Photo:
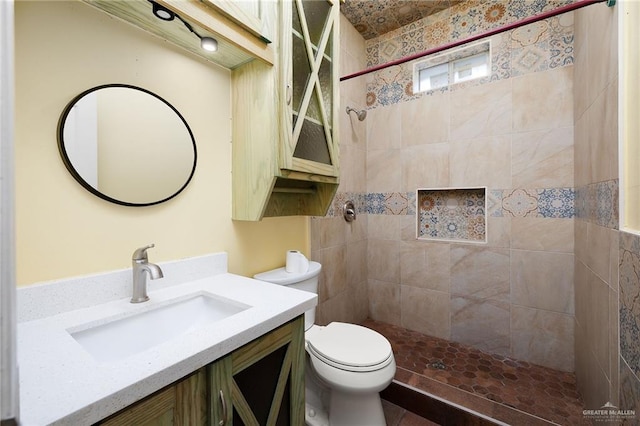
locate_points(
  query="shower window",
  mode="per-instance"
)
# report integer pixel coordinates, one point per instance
(456, 66)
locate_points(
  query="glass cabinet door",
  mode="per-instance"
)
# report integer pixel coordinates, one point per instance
(312, 87)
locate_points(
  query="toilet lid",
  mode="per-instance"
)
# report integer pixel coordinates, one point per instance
(351, 347)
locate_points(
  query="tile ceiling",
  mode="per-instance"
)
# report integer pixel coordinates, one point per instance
(373, 18)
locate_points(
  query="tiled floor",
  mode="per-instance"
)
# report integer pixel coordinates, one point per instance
(510, 391)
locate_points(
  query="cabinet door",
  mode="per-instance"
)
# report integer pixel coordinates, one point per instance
(181, 404)
(262, 383)
(254, 15)
(310, 75)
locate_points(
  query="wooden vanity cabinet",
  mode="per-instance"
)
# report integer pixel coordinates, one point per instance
(182, 403)
(285, 118)
(261, 383)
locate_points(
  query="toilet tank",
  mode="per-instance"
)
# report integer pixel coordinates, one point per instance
(305, 281)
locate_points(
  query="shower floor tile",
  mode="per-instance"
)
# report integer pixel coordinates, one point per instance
(502, 388)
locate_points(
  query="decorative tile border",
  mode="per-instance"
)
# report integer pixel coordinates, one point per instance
(556, 203)
(536, 47)
(598, 203)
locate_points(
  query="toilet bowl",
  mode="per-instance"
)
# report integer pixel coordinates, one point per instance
(347, 364)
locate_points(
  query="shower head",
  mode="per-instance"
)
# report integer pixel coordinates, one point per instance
(362, 114)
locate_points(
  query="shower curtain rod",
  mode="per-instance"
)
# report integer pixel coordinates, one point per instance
(526, 21)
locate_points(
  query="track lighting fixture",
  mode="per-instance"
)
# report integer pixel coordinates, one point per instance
(209, 44)
(162, 12)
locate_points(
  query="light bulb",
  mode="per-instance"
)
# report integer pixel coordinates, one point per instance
(209, 44)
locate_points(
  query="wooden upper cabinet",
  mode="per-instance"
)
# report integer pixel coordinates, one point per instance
(285, 132)
(309, 51)
(253, 15)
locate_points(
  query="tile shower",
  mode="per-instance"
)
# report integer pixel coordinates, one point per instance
(512, 133)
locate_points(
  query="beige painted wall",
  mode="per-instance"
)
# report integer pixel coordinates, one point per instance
(64, 48)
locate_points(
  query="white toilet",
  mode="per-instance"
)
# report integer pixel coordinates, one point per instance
(347, 364)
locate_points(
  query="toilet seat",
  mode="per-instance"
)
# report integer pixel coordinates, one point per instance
(350, 347)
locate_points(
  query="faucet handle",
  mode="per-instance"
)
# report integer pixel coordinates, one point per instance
(141, 253)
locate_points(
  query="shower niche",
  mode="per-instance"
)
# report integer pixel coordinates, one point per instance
(452, 214)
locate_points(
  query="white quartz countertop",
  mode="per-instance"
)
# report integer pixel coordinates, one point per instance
(61, 383)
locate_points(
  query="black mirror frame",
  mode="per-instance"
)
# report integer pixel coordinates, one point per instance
(87, 186)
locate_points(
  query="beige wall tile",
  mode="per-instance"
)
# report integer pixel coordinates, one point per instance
(384, 302)
(384, 128)
(333, 276)
(353, 175)
(482, 161)
(592, 382)
(543, 100)
(384, 226)
(425, 265)
(614, 259)
(542, 280)
(359, 296)
(358, 230)
(384, 170)
(481, 111)
(326, 232)
(350, 38)
(581, 364)
(602, 43)
(581, 63)
(482, 323)
(480, 272)
(408, 227)
(581, 290)
(597, 321)
(542, 337)
(543, 159)
(582, 154)
(425, 120)
(598, 257)
(425, 311)
(356, 263)
(581, 244)
(542, 234)
(613, 349)
(499, 232)
(383, 260)
(425, 166)
(602, 131)
(352, 132)
(347, 307)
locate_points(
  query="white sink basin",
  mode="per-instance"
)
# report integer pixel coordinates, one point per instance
(138, 332)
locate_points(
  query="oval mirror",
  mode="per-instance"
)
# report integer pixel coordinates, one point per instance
(127, 145)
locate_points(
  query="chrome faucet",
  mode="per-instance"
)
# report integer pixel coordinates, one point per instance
(140, 264)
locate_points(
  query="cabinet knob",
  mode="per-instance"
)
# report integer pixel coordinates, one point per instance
(288, 93)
